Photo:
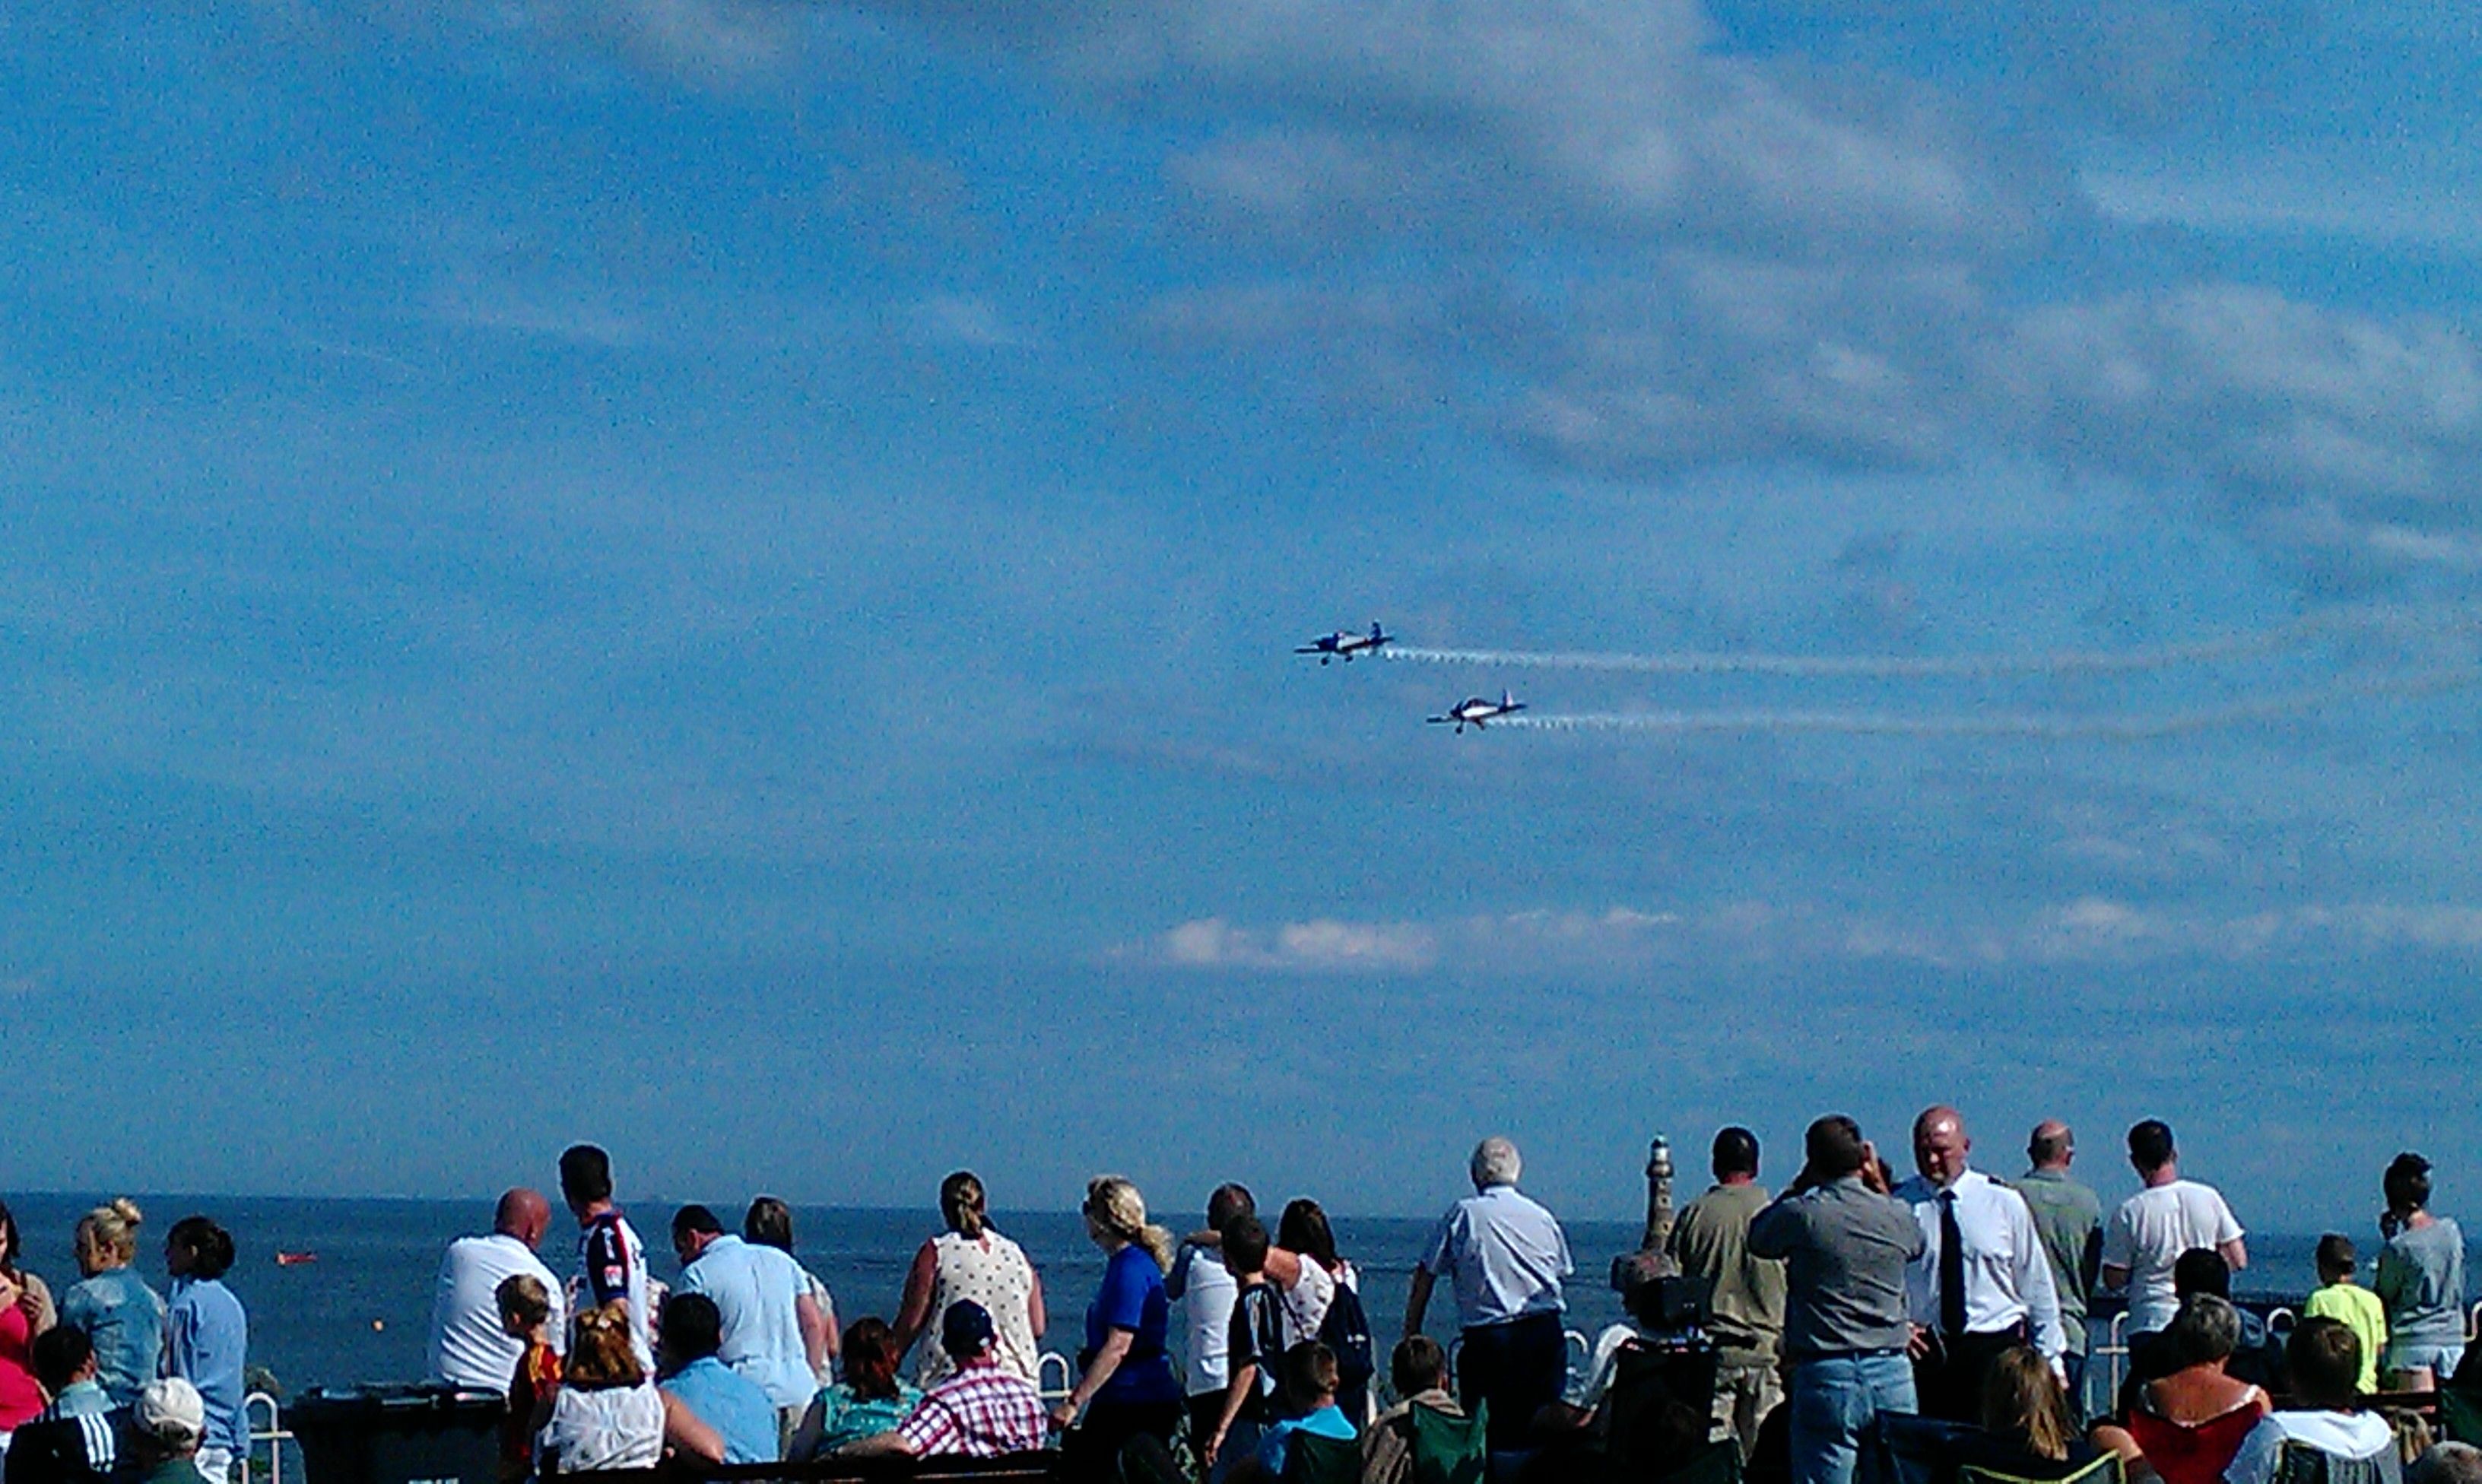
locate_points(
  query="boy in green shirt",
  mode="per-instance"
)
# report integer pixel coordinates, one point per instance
(2360, 1310)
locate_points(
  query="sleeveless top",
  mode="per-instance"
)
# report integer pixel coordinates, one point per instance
(21, 1398)
(614, 1427)
(993, 1272)
(2193, 1453)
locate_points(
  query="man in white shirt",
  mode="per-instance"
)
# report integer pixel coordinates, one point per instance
(1506, 1256)
(759, 1296)
(2153, 1228)
(1983, 1281)
(1206, 1289)
(469, 1349)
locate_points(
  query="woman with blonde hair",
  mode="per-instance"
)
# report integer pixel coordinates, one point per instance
(2026, 1430)
(971, 1260)
(609, 1413)
(1126, 1387)
(120, 1316)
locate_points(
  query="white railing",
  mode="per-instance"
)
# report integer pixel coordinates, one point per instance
(273, 1435)
(2115, 1351)
(1580, 1365)
(1055, 1392)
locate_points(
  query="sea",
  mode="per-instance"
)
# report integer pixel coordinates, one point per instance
(357, 1313)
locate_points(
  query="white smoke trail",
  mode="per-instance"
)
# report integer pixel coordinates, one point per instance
(2064, 662)
(2036, 725)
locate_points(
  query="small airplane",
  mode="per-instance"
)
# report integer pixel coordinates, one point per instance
(1475, 709)
(1327, 646)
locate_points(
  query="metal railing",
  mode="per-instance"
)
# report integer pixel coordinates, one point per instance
(1053, 1394)
(274, 1435)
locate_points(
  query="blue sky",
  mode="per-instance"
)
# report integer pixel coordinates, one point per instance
(719, 576)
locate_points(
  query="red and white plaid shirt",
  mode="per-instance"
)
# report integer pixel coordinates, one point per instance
(981, 1412)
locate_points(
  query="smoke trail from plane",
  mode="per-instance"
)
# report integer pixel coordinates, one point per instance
(2039, 726)
(2283, 636)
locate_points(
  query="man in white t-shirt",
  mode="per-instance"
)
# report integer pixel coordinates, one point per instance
(2153, 1227)
(1206, 1289)
(468, 1347)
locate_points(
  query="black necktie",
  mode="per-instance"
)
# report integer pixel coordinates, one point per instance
(1951, 1267)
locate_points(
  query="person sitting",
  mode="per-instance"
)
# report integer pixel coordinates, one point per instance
(1308, 1394)
(2026, 1430)
(2358, 1307)
(983, 1409)
(2187, 1423)
(2446, 1463)
(607, 1415)
(166, 1426)
(689, 1332)
(76, 1439)
(2324, 1360)
(870, 1399)
(1418, 1370)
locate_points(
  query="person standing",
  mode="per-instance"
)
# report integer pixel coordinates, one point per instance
(1845, 1246)
(1982, 1283)
(2069, 1218)
(26, 1311)
(612, 1262)
(2153, 1228)
(1205, 1290)
(1125, 1385)
(120, 1316)
(769, 1223)
(760, 1295)
(970, 1261)
(470, 1347)
(2359, 1309)
(2420, 1281)
(1505, 1256)
(1711, 1241)
(206, 1337)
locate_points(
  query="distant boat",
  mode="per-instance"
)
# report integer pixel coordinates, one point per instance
(295, 1258)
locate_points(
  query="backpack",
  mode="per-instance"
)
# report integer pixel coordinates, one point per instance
(1346, 1331)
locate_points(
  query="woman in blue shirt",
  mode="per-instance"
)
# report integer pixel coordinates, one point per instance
(1127, 1386)
(206, 1337)
(119, 1315)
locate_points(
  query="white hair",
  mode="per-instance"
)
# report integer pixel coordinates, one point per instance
(1494, 1163)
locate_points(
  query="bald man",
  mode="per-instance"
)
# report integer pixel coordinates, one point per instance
(2069, 1217)
(1982, 1283)
(469, 1349)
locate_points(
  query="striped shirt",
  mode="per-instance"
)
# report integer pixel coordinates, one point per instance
(981, 1412)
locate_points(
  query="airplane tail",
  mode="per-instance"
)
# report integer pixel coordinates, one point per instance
(1376, 632)
(1507, 701)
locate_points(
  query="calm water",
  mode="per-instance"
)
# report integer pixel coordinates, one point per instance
(359, 1313)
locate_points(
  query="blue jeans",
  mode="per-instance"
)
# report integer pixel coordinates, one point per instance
(1833, 1399)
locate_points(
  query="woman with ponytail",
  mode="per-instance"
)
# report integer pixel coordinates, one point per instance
(207, 1338)
(970, 1261)
(1127, 1386)
(119, 1315)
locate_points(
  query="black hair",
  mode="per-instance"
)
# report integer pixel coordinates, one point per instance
(693, 1327)
(696, 1219)
(2201, 1271)
(2336, 1254)
(57, 1355)
(1245, 1244)
(2324, 1360)
(1231, 1199)
(1736, 1152)
(585, 1174)
(10, 1241)
(1417, 1364)
(2149, 1145)
(1834, 1146)
(2407, 1182)
(210, 1246)
(1303, 1229)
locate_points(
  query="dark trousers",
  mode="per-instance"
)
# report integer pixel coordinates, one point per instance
(1517, 1368)
(1090, 1450)
(1949, 1379)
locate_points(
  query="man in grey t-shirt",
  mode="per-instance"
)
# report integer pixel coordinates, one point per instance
(1845, 1244)
(1711, 1241)
(2069, 1218)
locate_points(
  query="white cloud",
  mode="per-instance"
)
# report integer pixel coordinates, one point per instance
(1321, 945)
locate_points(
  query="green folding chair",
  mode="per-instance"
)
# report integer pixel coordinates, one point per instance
(1449, 1449)
(1313, 1459)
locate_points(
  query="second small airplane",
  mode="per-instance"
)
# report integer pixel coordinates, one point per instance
(1475, 709)
(1327, 646)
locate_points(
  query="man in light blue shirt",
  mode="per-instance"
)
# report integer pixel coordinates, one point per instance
(759, 1292)
(1505, 1255)
(738, 1411)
